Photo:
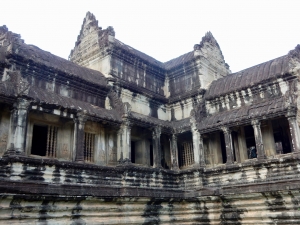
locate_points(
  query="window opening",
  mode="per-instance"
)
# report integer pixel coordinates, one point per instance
(44, 141)
(133, 152)
(235, 145)
(151, 155)
(223, 147)
(163, 158)
(250, 142)
(281, 136)
(89, 145)
(186, 154)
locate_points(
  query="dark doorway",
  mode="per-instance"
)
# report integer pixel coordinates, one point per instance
(133, 152)
(151, 155)
(235, 145)
(281, 136)
(39, 140)
(250, 142)
(223, 147)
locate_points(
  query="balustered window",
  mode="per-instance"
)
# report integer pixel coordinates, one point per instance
(89, 145)
(186, 154)
(44, 140)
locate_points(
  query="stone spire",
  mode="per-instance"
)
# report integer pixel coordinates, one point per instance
(216, 53)
(90, 24)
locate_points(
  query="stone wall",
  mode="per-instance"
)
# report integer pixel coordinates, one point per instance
(66, 193)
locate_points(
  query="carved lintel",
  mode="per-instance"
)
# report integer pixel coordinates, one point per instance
(255, 122)
(156, 131)
(126, 123)
(225, 129)
(23, 103)
(291, 112)
(126, 109)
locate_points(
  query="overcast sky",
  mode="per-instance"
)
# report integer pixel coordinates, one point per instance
(248, 32)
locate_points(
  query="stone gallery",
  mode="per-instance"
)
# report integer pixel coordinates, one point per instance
(113, 136)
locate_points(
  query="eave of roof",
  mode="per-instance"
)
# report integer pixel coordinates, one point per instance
(44, 58)
(139, 54)
(243, 114)
(248, 77)
(179, 60)
(42, 96)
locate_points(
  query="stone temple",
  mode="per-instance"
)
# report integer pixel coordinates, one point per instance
(114, 136)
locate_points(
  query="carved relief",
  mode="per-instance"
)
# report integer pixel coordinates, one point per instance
(3, 142)
(65, 151)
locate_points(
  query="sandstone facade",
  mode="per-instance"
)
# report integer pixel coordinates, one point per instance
(113, 136)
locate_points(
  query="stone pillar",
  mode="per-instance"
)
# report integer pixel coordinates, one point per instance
(228, 144)
(198, 147)
(79, 123)
(124, 139)
(258, 139)
(201, 151)
(294, 130)
(174, 152)
(156, 147)
(18, 123)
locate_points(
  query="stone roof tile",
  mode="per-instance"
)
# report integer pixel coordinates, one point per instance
(248, 77)
(44, 58)
(244, 113)
(179, 60)
(43, 96)
(137, 53)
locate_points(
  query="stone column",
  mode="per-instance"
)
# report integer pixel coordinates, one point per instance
(124, 137)
(196, 146)
(294, 130)
(228, 144)
(201, 155)
(174, 152)
(258, 139)
(156, 147)
(18, 123)
(79, 124)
